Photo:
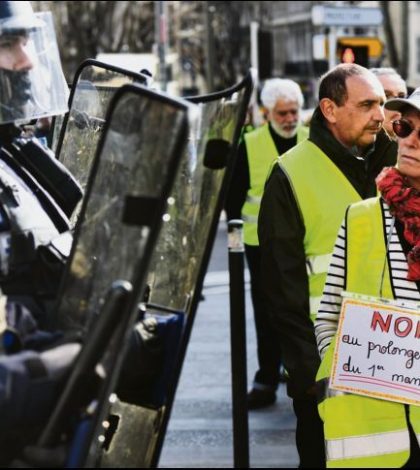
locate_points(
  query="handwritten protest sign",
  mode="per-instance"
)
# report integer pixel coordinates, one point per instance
(378, 351)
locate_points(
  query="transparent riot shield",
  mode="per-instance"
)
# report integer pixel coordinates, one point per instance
(124, 198)
(94, 84)
(124, 208)
(134, 433)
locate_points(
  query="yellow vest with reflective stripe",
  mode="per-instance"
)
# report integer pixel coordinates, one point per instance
(361, 431)
(261, 151)
(323, 194)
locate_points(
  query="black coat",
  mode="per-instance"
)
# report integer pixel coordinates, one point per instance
(281, 233)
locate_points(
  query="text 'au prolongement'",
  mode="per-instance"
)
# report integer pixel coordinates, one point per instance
(377, 352)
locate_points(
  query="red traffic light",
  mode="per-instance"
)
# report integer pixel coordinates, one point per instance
(348, 57)
(354, 55)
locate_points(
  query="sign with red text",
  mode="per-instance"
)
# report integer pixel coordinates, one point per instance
(377, 351)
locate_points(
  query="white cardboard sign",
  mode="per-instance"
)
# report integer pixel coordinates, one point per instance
(377, 351)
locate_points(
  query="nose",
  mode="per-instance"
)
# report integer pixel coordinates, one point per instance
(22, 59)
(291, 116)
(379, 114)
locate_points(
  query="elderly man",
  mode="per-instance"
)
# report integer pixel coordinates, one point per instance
(394, 87)
(301, 210)
(283, 101)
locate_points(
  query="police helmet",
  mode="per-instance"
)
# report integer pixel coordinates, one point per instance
(32, 83)
(16, 17)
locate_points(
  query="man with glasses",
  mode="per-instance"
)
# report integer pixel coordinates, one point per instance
(283, 101)
(394, 87)
(304, 202)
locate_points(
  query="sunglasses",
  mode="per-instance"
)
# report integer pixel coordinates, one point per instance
(403, 128)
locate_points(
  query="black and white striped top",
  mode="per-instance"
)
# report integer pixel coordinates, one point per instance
(329, 310)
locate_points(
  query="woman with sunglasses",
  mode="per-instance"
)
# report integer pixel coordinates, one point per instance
(377, 254)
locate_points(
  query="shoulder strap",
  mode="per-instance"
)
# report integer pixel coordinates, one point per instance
(52, 175)
(57, 216)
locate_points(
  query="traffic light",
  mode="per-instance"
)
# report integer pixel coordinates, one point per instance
(359, 49)
(353, 54)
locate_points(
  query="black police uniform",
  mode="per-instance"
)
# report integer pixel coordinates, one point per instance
(34, 224)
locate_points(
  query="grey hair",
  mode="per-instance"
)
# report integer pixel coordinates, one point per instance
(380, 71)
(280, 89)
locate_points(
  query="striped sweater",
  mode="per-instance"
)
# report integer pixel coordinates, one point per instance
(329, 311)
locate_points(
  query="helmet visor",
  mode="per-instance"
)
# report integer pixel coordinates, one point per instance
(32, 83)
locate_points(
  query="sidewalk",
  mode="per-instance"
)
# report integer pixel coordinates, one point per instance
(200, 428)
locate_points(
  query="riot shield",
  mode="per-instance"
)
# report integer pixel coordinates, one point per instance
(179, 263)
(127, 179)
(94, 84)
(123, 210)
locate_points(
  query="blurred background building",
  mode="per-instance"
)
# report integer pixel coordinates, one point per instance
(196, 47)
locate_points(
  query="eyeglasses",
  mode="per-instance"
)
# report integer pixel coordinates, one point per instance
(403, 128)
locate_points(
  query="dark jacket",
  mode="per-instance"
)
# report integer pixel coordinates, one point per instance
(240, 183)
(35, 193)
(281, 233)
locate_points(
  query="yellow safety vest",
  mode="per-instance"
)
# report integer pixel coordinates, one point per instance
(261, 151)
(323, 194)
(361, 431)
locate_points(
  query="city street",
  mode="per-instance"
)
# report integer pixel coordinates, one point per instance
(200, 429)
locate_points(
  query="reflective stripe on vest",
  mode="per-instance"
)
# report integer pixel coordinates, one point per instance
(318, 264)
(362, 431)
(323, 194)
(253, 199)
(262, 152)
(367, 446)
(252, 219)
(314, 303)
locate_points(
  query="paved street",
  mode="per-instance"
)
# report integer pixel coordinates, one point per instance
(200, 429)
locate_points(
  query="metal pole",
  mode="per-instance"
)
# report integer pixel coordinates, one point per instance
(332, 47)
(256, 116)
(238, 344)
(209, 45)
(254, 26)
(161, 39)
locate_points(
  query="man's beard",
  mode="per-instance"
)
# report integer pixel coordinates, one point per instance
(15, 93)
(285, 134)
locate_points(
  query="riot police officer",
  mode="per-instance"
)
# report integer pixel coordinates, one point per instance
(37, 194)
(37, 197)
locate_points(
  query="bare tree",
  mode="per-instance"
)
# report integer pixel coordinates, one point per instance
(405, 40)
(215, 33)
(397, 61)
(86, 28)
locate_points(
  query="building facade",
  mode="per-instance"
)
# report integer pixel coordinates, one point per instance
(305, 47)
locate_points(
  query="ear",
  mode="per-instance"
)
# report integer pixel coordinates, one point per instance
(328, 109)
(265, 110)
